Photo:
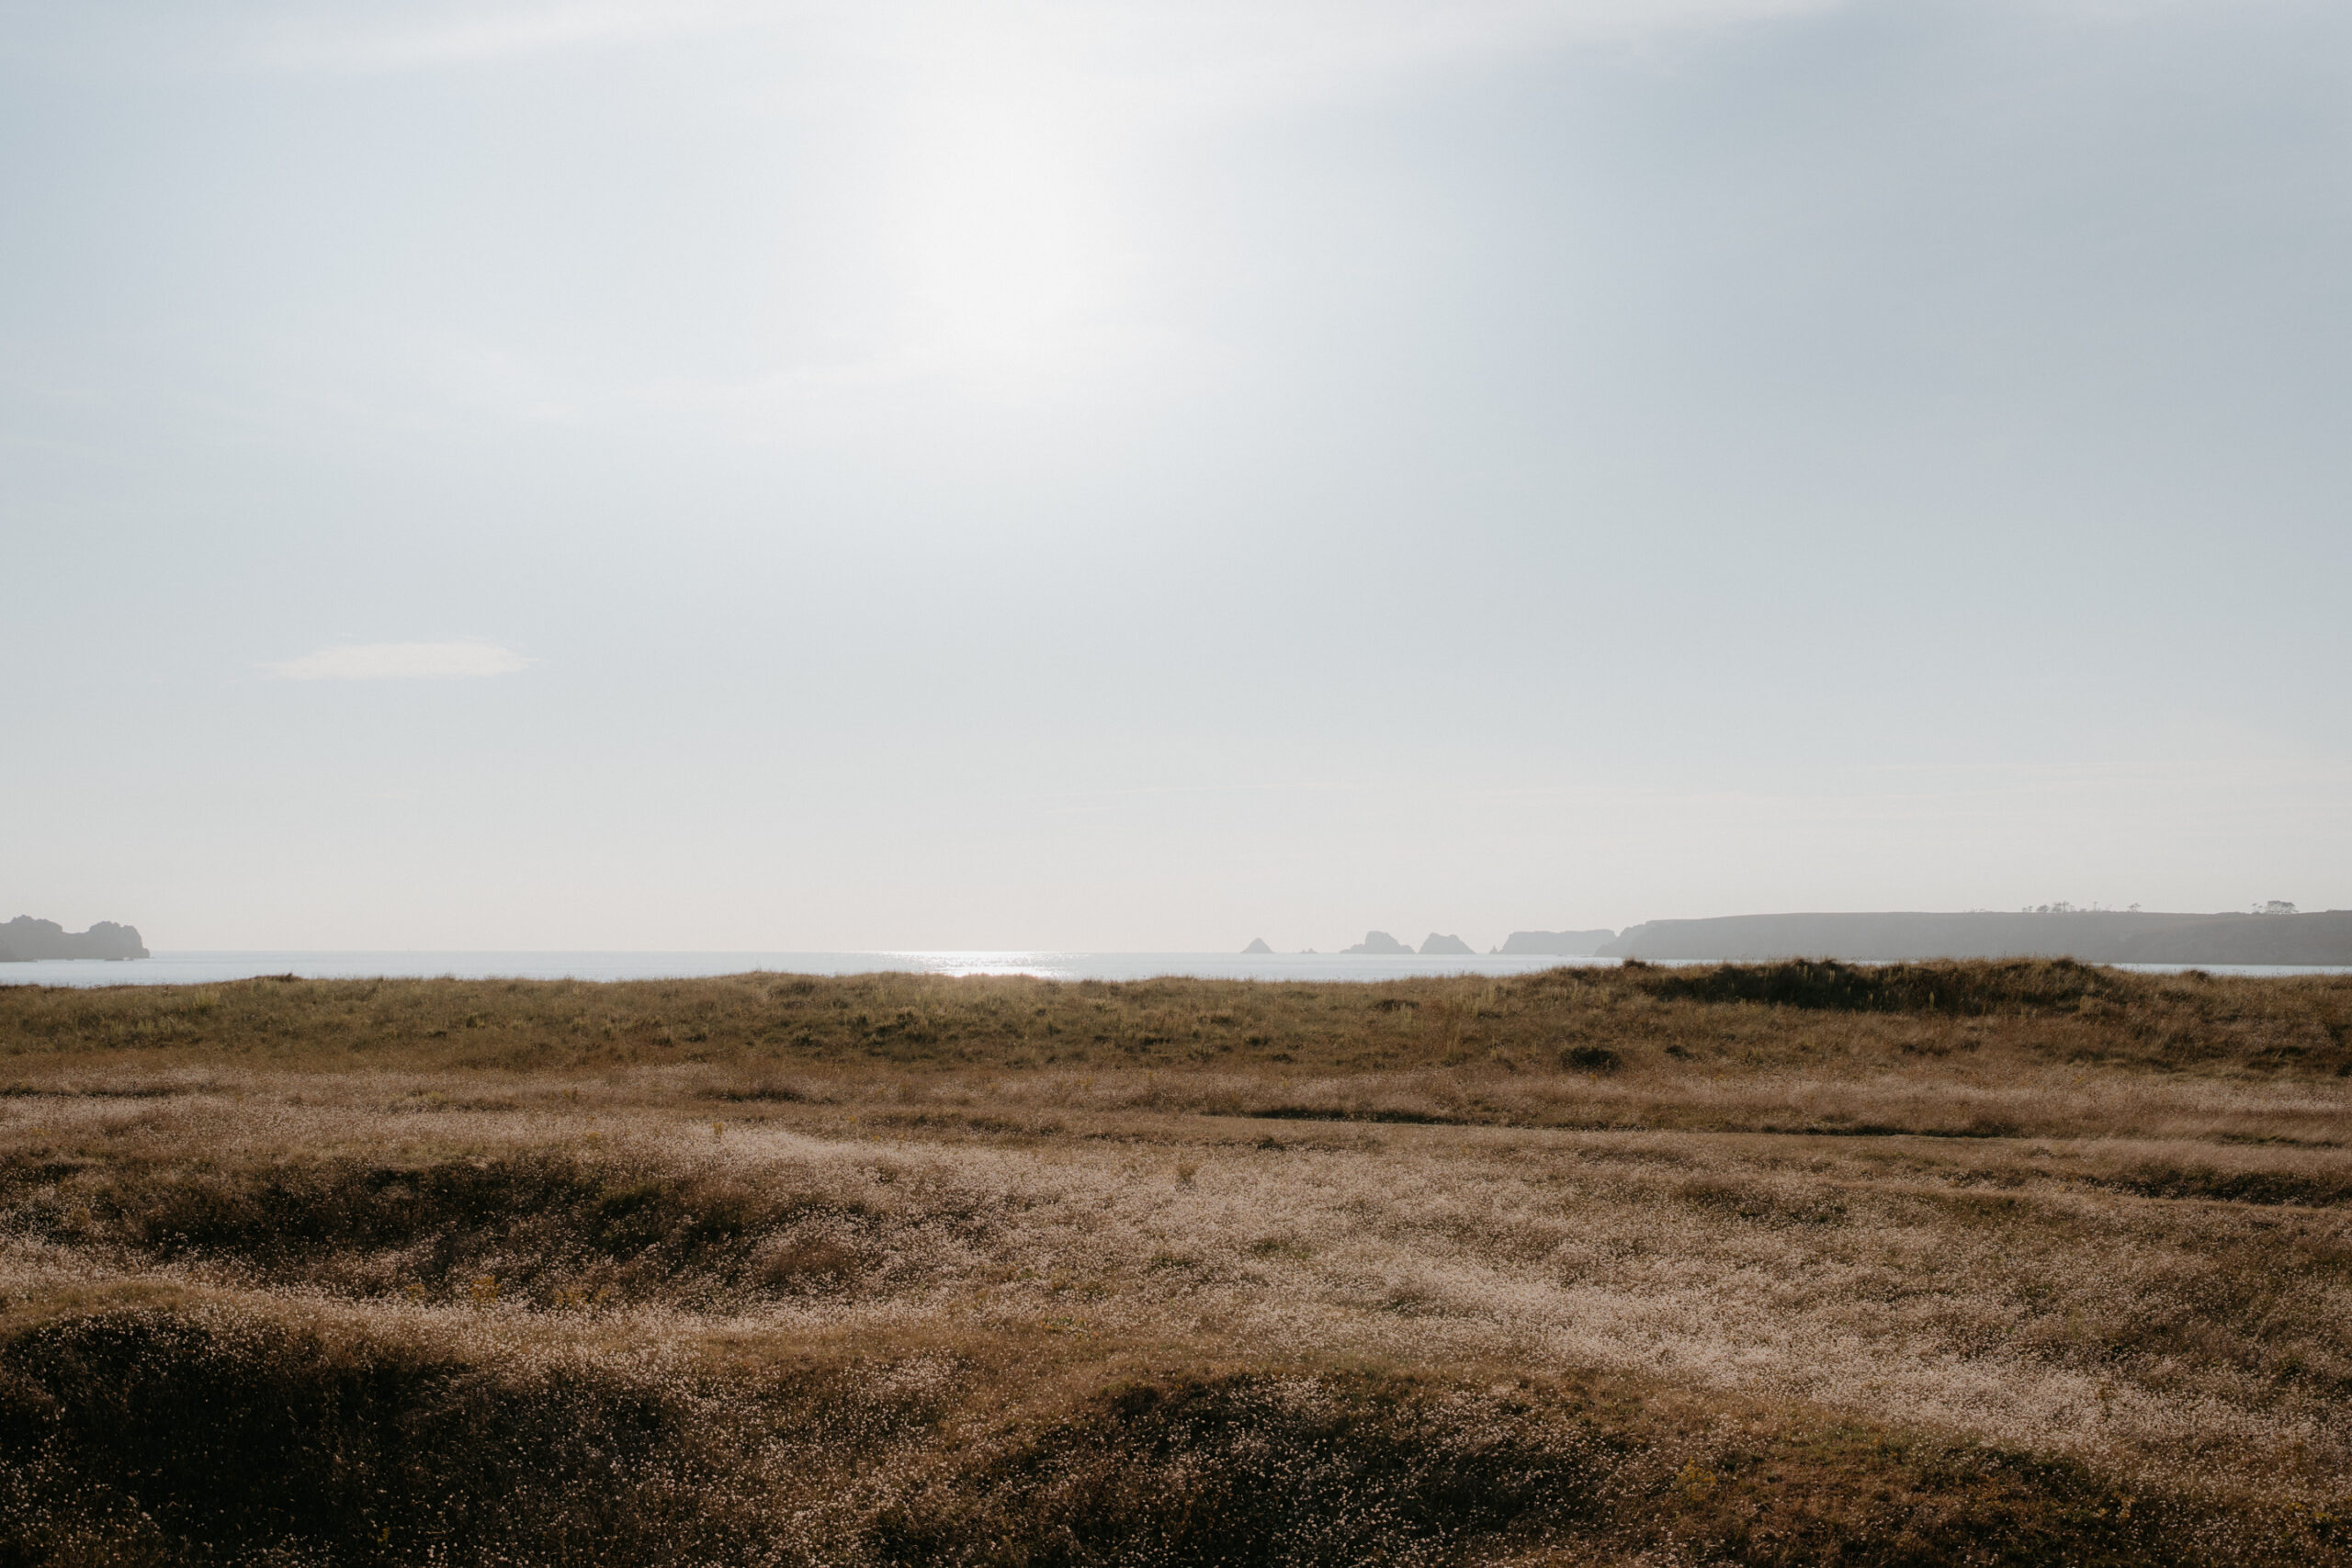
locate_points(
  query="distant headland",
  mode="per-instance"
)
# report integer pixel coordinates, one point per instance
(2275, 933)
(25, 939)
(2100, 936)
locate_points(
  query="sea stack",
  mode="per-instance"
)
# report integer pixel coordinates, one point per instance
(1377, 942)
(25, 939)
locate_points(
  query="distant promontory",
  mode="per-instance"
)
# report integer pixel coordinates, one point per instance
(2100, 936)
(25, 939)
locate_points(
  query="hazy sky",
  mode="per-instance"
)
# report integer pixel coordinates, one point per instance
(880, 475)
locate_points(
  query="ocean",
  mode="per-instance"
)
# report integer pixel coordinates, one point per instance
(199, 968)
(202, 968)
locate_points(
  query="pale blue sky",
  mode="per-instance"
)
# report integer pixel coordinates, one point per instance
(1146, 476)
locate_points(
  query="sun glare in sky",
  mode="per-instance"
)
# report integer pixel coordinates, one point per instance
(995, 244)
(1004, 259)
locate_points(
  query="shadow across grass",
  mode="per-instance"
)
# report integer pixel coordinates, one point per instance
(177, 1437)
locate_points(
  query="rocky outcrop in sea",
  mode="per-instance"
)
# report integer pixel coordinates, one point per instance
(25, 939)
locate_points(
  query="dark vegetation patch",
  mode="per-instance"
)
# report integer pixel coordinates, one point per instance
(160, 1436)
(547, 1229)
(1860, 1497)
(95, 1091)
(1967, 989)
(765, 1091)
(1239, 1469)
(2314, 1189)
(1752, 1200)
(1328, 1113)
(1977, 1125)
(985, 1123)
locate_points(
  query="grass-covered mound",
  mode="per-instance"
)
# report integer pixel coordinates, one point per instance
(203, 1435)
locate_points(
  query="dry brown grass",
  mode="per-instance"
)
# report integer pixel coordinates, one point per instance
(1939, 1264)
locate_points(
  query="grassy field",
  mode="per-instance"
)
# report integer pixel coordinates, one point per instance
(2025, 1263)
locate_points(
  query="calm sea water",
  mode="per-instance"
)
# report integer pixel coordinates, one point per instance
(199, 968)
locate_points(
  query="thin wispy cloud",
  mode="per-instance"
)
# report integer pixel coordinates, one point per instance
(403, 661)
